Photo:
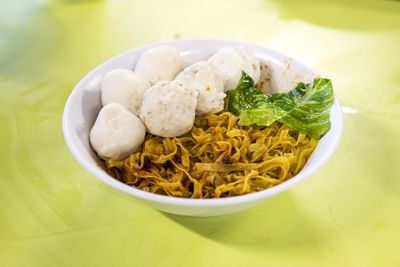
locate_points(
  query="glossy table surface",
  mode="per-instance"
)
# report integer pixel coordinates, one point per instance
(53, 213)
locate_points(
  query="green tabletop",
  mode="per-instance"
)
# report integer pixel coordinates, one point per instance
(53, 213)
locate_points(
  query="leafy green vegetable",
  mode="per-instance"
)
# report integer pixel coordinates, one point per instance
(245, 96)
(306, 108)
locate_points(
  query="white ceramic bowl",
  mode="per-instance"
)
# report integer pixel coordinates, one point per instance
(84, 104)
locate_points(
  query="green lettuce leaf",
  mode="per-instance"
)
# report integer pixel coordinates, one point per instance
(245, 96)
(306, 108)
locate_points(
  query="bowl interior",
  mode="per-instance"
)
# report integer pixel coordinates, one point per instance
(84, 104)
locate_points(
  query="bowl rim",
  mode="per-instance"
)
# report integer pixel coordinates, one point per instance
(177, 201)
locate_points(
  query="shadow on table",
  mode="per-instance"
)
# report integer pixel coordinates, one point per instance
(357, 15)
(278, 222)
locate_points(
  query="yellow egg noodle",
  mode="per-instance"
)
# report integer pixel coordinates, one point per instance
(217, 158)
